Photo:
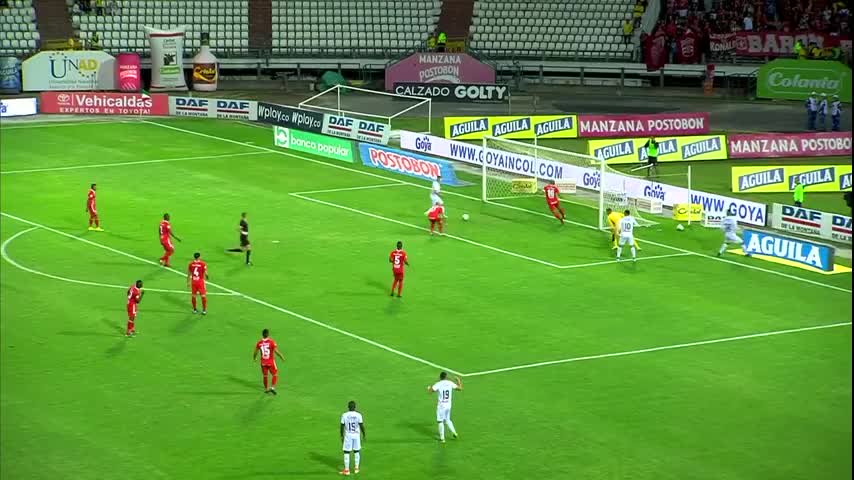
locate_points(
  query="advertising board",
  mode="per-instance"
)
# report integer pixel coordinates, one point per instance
(515, 127)
(355, 129)
(305, 142)
(69, 70)
(104, 103)
(657, 124)
(781, 145)
(408, 163)
(812, 223)
(465, 92)
(670, 149)
(807, 253)
(213, 108)
(17, 107)
(290, 117)
(435, 67)
(794, 79)
(781, 178)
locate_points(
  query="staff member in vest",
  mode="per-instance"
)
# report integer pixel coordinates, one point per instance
(822, 112)
(443, 39)
(651, 156)
(431, 42)
(835, 113)
(812, 110)
(799, 193)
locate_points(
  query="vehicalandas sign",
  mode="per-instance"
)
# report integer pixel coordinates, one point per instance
(458, 68)
(98, 103)
(796, 79)
(460, 92)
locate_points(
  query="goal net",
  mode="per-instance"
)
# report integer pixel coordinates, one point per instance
(399, 112)
(585, 179)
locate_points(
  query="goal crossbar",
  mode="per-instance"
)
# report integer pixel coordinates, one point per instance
(338, 110)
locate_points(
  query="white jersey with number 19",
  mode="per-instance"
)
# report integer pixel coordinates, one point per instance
(445, 389)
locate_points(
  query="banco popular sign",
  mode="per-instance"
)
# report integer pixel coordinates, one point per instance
(796, 79)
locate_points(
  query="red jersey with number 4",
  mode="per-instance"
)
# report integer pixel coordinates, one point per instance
(134, 295)
(398, 260)
(90, 201)
(552, 194)
(268, 347)
(165, 230)
(198, 269)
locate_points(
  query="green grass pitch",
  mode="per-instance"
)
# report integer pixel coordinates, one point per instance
(677, 367)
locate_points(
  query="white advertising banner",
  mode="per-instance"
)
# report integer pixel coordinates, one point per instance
(589, 178)
(16, 107)
(355, 129)
(221, 108)
(812, 223)
(68, 71)
(167, 59)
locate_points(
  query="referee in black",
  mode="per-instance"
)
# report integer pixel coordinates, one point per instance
(245, 246)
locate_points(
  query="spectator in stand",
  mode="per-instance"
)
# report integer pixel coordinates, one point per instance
(815, 52)
(628, 30)
(95, 42)
(99, 7)
(637, 13)
(113, 7)
(748, 23)
(431, 42)
(441, 41)
(800, 50)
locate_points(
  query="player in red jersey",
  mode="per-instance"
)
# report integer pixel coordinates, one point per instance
(135, 294)
(437, 217)
(399, 261)
(92, 209)
(197, 273)
(166, 237)
(269, 350)
(553, 199)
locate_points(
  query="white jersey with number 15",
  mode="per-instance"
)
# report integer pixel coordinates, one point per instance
(445, 389)
(627, 224)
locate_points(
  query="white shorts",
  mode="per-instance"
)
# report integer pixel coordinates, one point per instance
(352, 443)
(434, 199)
(443, 413)
(627, 238)
(732, 238)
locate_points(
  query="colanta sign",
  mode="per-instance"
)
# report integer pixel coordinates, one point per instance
(796, 79)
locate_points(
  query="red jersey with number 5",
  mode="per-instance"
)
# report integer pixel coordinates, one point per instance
(552, 194)
(268, 347)
(165, 230)
(198, 269)
(90, 201)
(398, 260)
(134, 295)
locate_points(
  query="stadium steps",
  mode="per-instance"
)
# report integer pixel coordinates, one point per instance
(261, 24)
(54, 22)
(455, 18)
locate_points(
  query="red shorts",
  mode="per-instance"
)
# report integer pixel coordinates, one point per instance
(270, 368)
(398, 275)
(167, 244)
(554, 205)
(131, 311)
(200, 288)
(93, 212)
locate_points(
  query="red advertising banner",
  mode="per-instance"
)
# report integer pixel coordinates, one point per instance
(97, 103)
(439, 68)
(772, 44)
(129, 72)
(776, 145)
(658, 124)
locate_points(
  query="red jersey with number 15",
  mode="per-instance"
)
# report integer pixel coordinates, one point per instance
(552, 194)
(268, 347)
(90, 201)
(198, 269)
(398, 260)
(134, 295)
(165, 230)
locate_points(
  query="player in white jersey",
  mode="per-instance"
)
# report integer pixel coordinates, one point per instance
(729, 225)
(627, 234)
(436, 191)
(445, 388)
(352, 434)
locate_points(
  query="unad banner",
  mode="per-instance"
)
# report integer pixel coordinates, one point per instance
(778, 145)
(92, 103)
(643, 125)
(439, 68)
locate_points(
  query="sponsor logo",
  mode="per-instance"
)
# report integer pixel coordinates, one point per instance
(472, 126)
(513, 126)
(282, 137)
(616, 150)
(802, 216)
(845, 181)
(484, 93)
(63, 99)
(654, 191)
(105, 103)
(422, 144)
(758, 179)
(815, 177)
(841, 224)
(371, 129)
(15, 107)
(290, 117)
(313, 143)
(665, 147)
(690, 150)
(481, 92)
(781, 79)
(807, 253)
(591, 180)
(235, 109)
(443, 68)
(552, 126)
(404, 163)
(191, 107)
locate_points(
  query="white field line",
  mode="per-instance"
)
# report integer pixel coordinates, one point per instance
(348, 189)
(5, 254)
(623, 260)
(658, 349)
(247, 297)
(425, 229)
(370, 174)
(19, 125)
(122, 164)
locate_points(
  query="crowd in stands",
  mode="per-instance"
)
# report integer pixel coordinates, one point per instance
(98, 7)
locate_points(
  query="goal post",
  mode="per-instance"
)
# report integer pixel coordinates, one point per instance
(399, 112)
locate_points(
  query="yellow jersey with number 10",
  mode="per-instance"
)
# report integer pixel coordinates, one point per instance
(614, 219)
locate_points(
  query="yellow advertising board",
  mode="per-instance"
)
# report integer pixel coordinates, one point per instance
(514, 127)
(523, 185)
(682, 212)
(769, 178)
(670, 149)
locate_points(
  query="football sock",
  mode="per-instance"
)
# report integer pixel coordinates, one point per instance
(266, 382)
(441, 227)
(97, 222)
(357, 457)
(275, 379)
(723, 249)
(563, 213)
(130, 327)
(248, 252)
(234, 250)
(194, 301)
(441, 431)
(619, 252)
(393, 286)
(634, 251)
(204, 302)
(451, 426)
(346, 461)
(432, 226)
(399, 287)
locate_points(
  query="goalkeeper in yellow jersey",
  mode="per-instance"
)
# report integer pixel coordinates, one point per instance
(614, 223)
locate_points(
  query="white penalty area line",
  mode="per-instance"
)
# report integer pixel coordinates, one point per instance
(123, 164)
(658, 349)
(462, 195)
(5, 254)
(349, 189)
(247, 297)
(624, 260)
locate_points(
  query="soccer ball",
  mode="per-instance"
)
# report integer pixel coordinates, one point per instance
(680, 227)
(466, 217)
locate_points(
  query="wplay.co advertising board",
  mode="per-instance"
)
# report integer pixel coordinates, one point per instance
(657, 124)
(670, 149)
(101, 103)
(69, 70)
(290, 117)
(213, 108)
(513, 127)
(781, 145)
(803, 252)
(770, 179)
(812, 223)
(407, 163)
(329, 147)
(748, 212)
(464, 92)
(355, 129)
(796, 79)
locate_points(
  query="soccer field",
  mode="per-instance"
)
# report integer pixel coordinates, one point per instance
(680, 366)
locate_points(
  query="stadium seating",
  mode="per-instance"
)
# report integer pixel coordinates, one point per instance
(121, 28)
(352, 28)
(589, 29)
(18, 35)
